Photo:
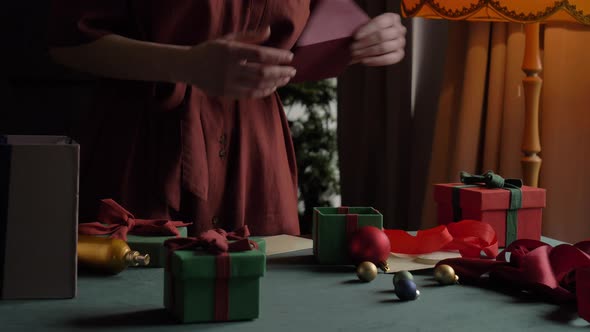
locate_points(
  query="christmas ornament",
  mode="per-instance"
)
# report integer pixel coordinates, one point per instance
(402, 275)
(445, 275)
(369, 243)
(406, 290)
(107, 255)
(366, 271)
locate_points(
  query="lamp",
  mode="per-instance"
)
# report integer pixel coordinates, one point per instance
(531, 13)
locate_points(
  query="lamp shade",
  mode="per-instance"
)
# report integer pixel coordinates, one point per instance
(522, 11)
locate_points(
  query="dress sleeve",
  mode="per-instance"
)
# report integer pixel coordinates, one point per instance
(75, 22)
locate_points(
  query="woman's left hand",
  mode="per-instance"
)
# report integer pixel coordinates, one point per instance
(380, 42)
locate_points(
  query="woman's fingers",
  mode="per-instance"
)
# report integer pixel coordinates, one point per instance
(256, 76)
(380, 49)
(391, 33)
(380, 42)
(377, 24)
(240, 52)
(385, 59)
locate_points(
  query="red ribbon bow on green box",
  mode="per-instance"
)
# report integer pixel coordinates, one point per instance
(113, 219)
(215, 242)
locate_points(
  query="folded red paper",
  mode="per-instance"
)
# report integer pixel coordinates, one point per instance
(322, 50)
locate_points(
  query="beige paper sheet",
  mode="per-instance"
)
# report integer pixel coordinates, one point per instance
(279, 244)
(401, 262)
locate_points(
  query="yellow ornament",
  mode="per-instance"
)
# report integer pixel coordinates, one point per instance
(366, 271)
(445, 275)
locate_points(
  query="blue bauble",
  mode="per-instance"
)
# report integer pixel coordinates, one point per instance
(405, 289)
(401, 275)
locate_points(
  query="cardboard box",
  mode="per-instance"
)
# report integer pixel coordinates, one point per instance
(190, 284)
(332, 227)
(491, 206)
(38, 217)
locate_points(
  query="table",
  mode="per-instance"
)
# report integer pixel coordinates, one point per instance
(296, 295)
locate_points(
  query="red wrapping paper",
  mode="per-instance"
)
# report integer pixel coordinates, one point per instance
(323, 48)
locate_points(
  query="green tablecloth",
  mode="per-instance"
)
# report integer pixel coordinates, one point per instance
(296, 295)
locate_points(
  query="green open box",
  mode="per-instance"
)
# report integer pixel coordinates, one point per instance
(189, 284)
(153, 246)
(330, 243)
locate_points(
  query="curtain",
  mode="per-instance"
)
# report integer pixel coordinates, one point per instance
(456, 103)
(565, 130)
(480, 117)
(385, 130)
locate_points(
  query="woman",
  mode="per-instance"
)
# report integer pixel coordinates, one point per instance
(186, 123)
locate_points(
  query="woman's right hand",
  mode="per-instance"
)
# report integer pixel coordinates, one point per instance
(236, 66)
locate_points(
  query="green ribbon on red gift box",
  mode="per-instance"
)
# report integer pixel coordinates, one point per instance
(214, 242)
(492, 181)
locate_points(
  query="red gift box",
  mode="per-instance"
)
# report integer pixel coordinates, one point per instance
(491, 206)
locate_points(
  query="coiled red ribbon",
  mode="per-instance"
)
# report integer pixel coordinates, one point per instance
(469, 237)
(113, 219)
(215, 242)
(560, 273)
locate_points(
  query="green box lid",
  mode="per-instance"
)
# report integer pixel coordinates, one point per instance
(361, 210)
(193, 264)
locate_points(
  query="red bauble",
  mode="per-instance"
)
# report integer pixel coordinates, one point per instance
(370, 244)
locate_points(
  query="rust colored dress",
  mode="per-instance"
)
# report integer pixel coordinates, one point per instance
(170, 151)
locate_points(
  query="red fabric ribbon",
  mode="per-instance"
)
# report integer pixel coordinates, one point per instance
(560, 273)
(215, 242)
(352, 220)
(113, 219)
(469, 237)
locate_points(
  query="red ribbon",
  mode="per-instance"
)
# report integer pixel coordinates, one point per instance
(352, 220)
(113, 219)
(560, 273)
(215, 242)
(469, 237)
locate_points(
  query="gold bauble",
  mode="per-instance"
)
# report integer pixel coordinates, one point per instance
(445, 275)
(107, 255)
(366, 271)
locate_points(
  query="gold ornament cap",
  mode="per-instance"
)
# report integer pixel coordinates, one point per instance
(134, 258)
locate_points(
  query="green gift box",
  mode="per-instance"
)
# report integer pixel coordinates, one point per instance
(153, 246)
(333, 225)
(191, 284)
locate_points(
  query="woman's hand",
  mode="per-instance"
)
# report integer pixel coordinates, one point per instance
(236, 66)
(380, 42)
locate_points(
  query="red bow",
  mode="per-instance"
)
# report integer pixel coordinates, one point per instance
(215, 242)
(561, 273)
(113, 219)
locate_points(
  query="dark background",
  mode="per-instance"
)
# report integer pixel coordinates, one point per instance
(38, 97)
